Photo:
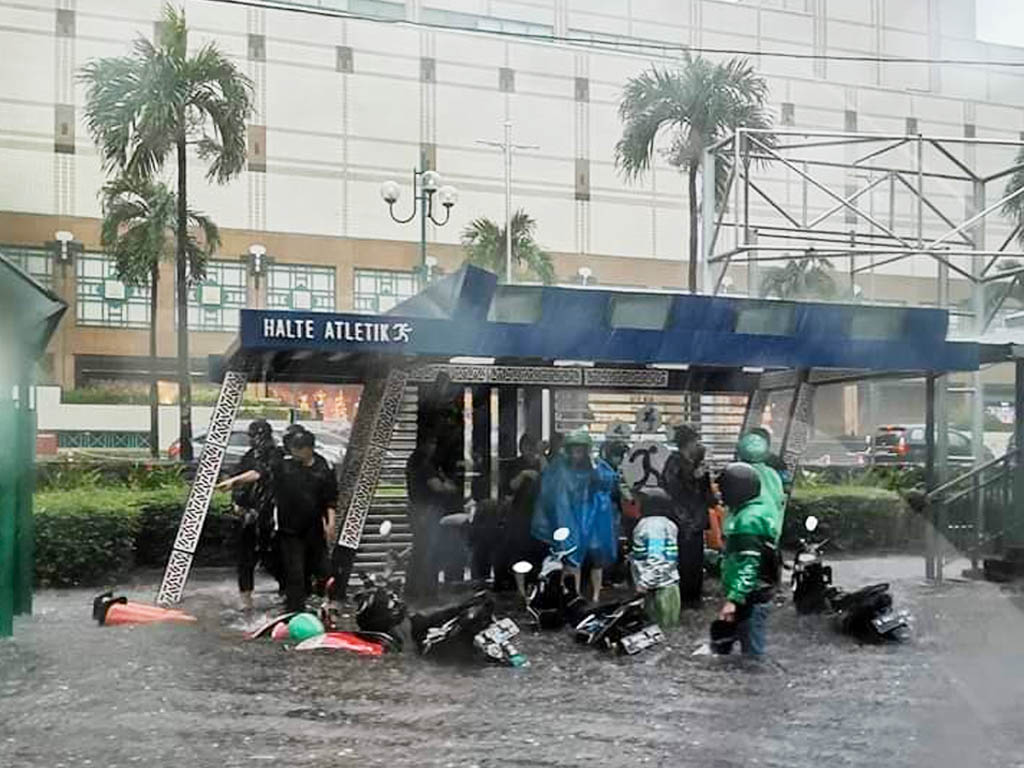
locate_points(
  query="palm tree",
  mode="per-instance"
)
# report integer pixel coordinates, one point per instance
(809, 278)
(698, 104)
(484, 243)
(156, 101)
(140, 219)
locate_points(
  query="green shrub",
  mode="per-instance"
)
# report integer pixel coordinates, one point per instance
(88, 535)
(159, 514)
(84, 535)
(854, 517)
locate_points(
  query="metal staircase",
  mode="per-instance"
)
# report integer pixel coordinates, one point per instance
(391, 499)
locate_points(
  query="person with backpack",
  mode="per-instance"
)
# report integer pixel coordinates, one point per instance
(755, 450)
(654, 558)
(750, 565)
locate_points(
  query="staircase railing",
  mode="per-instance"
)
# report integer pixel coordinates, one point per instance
(973, 510)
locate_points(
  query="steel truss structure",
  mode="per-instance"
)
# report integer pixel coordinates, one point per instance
(781, 193)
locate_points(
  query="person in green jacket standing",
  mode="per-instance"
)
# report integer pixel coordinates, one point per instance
(755, 450)
(749, 566)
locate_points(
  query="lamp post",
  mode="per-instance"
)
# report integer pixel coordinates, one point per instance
(506, 147)
(425, 185)
(585, 274)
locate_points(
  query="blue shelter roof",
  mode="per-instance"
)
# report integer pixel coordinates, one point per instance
(468, 314)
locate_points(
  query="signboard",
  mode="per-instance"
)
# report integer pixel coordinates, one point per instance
(644, 464)
(280, 327)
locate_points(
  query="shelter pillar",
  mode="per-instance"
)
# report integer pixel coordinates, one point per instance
(508, 406)
(481, 442)
(1015, 524)
(534, 416)
(379, 406)
(8, 514)
(931, 477)
(801, 411)
(755, 409)
(24, 539)
(208, 471)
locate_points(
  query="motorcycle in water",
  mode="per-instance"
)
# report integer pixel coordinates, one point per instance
(866, 614)
(468, 628)
(553, 601)
(620, 626)
(811, 578)
(552, 598)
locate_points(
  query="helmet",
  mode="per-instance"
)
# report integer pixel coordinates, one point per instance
(577, 437)
(739, 484)
(379, 610)
(259, 429)
(290, 433)
(752, 448)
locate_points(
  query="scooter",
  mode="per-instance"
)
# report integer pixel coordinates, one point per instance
(552, 599)
(811, 578)
(866, 614)
(379, 612)
(469, 628)
(621, 626)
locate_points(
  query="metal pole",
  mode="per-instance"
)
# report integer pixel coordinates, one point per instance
(931, 481)
(422, 198)
(978, 398)
(508, 201)
(708, 218)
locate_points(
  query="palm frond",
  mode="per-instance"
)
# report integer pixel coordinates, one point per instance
(484, 244)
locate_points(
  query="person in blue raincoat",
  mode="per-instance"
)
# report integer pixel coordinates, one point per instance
(573, 495)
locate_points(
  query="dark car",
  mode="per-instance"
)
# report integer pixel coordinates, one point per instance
(905, 444)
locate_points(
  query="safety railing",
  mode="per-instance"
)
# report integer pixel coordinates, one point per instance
(974, 510)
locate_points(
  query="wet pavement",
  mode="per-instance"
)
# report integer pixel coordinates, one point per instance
(74, 694)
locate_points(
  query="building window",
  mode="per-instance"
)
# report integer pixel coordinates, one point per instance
(378, 290)
(300, 286)
(214, 304)
(37, 262)
(102, 299)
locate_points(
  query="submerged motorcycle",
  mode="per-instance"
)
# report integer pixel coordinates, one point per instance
(811, 578)
(866, 614)
(621, 626)
(468, 628)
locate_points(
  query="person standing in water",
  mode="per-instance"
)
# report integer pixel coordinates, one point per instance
(570, 498)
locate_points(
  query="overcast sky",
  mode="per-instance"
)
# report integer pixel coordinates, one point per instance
(1001, 21)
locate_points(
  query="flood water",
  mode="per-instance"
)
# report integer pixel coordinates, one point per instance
(74, 694)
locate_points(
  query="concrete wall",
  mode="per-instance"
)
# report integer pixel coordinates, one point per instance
(55, 416)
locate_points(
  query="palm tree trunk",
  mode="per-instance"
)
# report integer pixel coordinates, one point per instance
(184, 383)
(154, 404)
(694, 223)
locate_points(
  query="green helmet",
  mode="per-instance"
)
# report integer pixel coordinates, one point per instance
(752, 448)
(577, 437)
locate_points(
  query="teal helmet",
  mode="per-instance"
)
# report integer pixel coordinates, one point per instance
(752, 448)
(577, 437)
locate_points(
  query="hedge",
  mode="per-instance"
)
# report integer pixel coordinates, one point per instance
(854, 517)
(89, 535)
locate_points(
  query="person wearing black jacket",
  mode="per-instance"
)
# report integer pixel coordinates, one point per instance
(687, 481)
(255, 503)
(306, 494)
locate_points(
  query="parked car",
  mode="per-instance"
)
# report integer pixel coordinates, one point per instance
(331, 441)
(823, 450)
(905, 444)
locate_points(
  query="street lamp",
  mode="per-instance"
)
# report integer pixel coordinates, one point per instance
(425, 185)
(64, 247)
(585, 273)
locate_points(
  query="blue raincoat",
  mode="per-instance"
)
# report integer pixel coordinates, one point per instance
(580, 500)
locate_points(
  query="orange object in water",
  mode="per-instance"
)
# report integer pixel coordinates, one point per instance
(109, 610)
(713, 535)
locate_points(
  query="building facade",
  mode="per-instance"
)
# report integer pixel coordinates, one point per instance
(349, 93)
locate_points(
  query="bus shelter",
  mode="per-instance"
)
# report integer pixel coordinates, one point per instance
(468, 330)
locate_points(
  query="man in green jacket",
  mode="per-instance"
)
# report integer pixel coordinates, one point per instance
(755, 450)
(749, 568)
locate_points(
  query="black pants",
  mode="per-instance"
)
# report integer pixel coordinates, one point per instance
(257, 544)
(303, 558)
(691, 565)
